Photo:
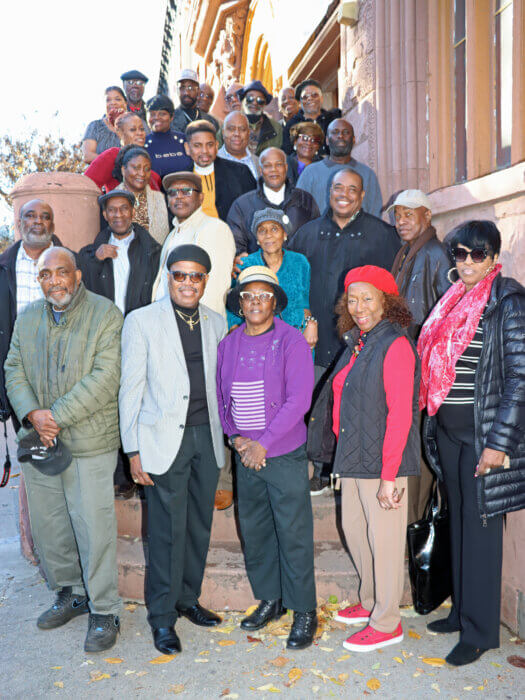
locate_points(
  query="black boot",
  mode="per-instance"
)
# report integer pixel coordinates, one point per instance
(463, 654)
(266, 611)
(303, 629)
(65, 608)
(102, 632)
(166, 640)
(442, 626)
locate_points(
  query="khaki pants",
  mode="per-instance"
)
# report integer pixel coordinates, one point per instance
(376, 539)
(74, 528)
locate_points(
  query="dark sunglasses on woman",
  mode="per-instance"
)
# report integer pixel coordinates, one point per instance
(477, 255)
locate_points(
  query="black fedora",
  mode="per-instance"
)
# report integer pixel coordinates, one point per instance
(48, 460)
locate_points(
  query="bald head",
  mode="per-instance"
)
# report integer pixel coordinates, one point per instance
(36, 225)
(236, 133)
(58, 276)
(340, 138)
(273, 167)
(51, 255)
(233, 102)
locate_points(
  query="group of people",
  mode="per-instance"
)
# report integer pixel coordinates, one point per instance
(243, 268)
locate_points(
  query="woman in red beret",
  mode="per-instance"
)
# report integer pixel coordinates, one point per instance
(366, 421)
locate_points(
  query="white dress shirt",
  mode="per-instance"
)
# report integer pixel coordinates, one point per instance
(273, 196)
(249, 159)
(28, 287)
(121, 268)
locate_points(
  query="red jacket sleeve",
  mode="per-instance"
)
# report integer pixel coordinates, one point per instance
(100, 170)
(398, 376)
(155, 182)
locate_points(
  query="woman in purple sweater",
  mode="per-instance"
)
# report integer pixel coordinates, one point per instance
(265, 378)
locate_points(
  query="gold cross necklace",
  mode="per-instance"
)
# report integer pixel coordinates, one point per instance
(188, 319)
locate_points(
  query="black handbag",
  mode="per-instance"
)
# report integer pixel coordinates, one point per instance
(429, 563)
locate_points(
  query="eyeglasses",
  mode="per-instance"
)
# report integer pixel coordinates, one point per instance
(180, 276)
(259, 100)
(308, 139)
(181, 191)
(310, 96)
(232, 98)
(263, 297)
(477, 255)
(135, 83)
(188, 88)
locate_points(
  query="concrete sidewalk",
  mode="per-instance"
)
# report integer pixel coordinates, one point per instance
(224, 662)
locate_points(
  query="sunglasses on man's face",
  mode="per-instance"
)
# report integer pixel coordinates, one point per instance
(181, 191)
(477, 255)
(259, 100)
(180, 276)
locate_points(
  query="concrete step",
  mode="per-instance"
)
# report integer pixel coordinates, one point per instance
(131, 519)
(226, 584)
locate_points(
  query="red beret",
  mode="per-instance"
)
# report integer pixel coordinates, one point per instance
(381, 279)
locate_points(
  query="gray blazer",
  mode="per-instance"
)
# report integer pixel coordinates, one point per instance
(155, 386)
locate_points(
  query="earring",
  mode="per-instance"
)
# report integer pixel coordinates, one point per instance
(241, 313)
(448, 274)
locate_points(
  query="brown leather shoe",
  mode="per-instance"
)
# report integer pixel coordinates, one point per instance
(223, 499)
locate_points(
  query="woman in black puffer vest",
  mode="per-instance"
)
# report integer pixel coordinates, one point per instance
(370, 407)
(472, 350)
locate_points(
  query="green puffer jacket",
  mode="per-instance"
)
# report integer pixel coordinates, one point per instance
(72, 368)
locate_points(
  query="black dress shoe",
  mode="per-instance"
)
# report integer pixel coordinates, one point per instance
(442, 626)
(463, 654)
(266, 611)
(65, 608)
(166, 640)
(303, 629)
(102, 632)
(200, 616)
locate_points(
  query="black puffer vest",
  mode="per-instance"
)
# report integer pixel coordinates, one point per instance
(358, 453)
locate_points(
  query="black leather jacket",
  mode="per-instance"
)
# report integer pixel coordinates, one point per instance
(499, 400)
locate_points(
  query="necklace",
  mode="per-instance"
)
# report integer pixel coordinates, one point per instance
(188, 318)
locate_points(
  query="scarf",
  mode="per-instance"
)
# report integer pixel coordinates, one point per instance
(404, 260)
(445, 334)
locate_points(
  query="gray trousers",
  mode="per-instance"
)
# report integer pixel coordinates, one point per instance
(74, 528)
(275, 515)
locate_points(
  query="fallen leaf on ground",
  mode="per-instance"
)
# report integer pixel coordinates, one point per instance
(142, 673)
(280, 661)
(164, 659)
(398, 659)
(294, 674)
(59, 684)
(204, 653)
(343, 677)
(414, 635)
(87, 662)
(131, 607)
(435, 687)
(481, 687)
(269, 687)
(56, 668)
(226, 642)
(251, 609)
(406, 654)
(226, 691)
(113, 660)
(373, 684)
(359, 673)
(231, 696)
(433, 661)
(325, 649)
(129, 672)
(201, 661)
(344, 657)
(416, 674)
(225, 630)
(254, 640)
(376, 666)
(517, 661)
(467, 687)
(98, 676)
(176, 689)
(493, 663)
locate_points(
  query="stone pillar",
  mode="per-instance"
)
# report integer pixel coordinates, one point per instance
(73, 198)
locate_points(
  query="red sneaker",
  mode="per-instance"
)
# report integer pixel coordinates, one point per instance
(370, 639)
(352, 614)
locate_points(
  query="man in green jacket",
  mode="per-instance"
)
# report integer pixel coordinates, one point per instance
(62, 378)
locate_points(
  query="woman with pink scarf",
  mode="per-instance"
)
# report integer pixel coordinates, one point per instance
(472, 350)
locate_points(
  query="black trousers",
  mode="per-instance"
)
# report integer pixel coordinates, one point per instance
(180, 512)
(476, 546)
(275, 515)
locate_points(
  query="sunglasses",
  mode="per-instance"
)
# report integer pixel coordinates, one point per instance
(135, 83)
(263, 297)
(181, 191)
(477, 255)
(308, 139)
(259, 100)
(180, 276)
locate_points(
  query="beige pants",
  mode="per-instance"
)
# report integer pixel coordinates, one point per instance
(376, 540)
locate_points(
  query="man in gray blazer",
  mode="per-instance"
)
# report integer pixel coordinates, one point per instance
(170, 429)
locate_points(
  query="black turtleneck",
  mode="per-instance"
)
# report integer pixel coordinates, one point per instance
(192, 347)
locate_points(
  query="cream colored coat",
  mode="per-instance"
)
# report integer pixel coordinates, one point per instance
(217, 240)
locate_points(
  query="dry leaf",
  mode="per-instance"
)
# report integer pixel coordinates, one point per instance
(406, 654)
(280, 661)
(224, 630)
(414, 635)
(517, 661)
(416, 674)
(164, 659)
(254, 640)
(373, 684)
(98, 676)
(481, 687)
(359, 673)
(201, 661)
(435, 687)
(226, 691)
(176, 689)
(129, 672)
(433, 661)
(142, 673)
(493, 663)
(231, 696)
(376, 666)
(398, 659)
(343, 677)
(325, 649)
(131, 607)
(113, 660)
(59, 684)
(226, 642)
(467, 687)
(204, 653)
(294, 674)
(270, 688)
(344, 657)
(251, 609)
(56, 668)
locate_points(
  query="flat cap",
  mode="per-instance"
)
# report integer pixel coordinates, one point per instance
(117, 193)
(187, 175)
(189, 253)
(270, 214)
(134, 75)
(411, 199)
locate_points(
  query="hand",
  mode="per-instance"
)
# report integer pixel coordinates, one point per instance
(388, 496)
(138, 476)
(106, 251)
(253, 455)
(240, 442)
(44, 424)
(310, 334)
(490, 459)
(237, 264)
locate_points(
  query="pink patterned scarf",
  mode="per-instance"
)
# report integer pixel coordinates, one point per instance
(445, 335)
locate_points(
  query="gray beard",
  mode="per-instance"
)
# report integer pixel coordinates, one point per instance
(63, 302)
(37, 240)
